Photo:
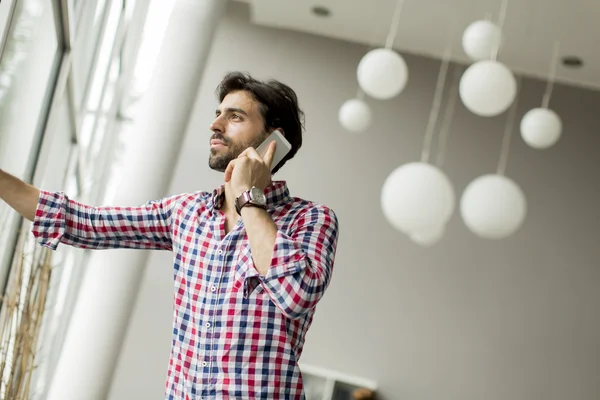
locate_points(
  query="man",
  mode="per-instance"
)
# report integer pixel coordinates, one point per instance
(248, 274)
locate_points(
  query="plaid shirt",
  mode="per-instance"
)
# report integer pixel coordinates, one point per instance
(236, 334)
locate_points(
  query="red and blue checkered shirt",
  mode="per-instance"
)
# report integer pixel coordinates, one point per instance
(236, 334)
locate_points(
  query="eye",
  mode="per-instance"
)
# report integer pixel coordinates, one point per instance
(236, 116)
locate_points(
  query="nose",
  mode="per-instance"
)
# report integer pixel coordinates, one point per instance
(217, 125)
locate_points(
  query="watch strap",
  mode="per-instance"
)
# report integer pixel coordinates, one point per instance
(244, 201)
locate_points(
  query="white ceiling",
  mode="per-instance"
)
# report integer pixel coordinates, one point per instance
(426, 27)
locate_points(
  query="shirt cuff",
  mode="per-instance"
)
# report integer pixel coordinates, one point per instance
(49, 223)
(288, 258)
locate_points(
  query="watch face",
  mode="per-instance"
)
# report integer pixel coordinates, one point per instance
(258, 196)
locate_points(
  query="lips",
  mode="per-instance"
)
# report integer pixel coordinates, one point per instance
(216, 144)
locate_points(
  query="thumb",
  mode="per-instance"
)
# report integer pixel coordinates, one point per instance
(229, 170)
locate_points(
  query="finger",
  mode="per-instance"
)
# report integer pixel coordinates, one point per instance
(250, 152)
(229, 170)
(244, 153)
(270, 154)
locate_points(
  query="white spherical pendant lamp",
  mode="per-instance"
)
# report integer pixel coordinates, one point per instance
(488, 88)
(382, 73)
(493, 207)
(417, 198)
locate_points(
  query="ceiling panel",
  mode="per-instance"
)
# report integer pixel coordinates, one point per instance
(428, 26)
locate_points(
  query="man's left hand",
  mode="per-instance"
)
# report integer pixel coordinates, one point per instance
(249, 170)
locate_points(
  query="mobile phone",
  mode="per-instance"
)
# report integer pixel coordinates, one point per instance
(283, 147)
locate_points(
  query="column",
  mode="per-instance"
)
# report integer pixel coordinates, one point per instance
(111, 281)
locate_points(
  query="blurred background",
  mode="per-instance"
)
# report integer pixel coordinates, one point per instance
(111, 100)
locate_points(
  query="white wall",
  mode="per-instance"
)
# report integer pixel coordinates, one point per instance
(466, 320)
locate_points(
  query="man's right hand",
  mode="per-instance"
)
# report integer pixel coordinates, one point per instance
(19, 195)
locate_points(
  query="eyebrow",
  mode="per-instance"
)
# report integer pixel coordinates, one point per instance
(232, 110)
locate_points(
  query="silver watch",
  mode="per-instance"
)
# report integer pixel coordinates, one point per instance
(254, 197)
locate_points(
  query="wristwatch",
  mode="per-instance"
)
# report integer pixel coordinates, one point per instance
(253, 197)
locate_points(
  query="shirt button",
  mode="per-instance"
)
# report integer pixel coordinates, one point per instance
(208, 324)
(213, 289)
(204, 364)
(219, 252)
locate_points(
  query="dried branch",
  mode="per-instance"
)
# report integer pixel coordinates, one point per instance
(21, 317)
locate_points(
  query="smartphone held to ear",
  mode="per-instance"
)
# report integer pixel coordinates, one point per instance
(283, 147)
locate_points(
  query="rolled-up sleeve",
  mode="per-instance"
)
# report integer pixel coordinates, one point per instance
(59, 219)
(302, 262)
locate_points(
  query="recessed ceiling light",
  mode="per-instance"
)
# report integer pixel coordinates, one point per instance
(572, 62)
(321, 11)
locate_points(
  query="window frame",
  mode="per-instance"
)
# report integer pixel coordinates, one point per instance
(45, 114)
(70, 21)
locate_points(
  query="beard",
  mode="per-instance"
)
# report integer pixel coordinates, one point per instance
(218, 160)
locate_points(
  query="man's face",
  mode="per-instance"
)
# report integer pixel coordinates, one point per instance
(238, 125)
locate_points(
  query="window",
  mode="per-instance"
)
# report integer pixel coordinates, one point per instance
(59, 123)
(28, 73)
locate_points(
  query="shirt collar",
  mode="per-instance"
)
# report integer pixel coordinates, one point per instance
(277, 192)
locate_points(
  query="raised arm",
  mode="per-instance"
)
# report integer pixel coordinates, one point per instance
(19, 195)
(58, 219)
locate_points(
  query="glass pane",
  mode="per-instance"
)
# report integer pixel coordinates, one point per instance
(98, 138)
(87, 40)
(72, 184)
(5, 12)
(28, 71)
(105, 54)
(87, 127)
(102, 86)
(57, 149)
(115, 72)
(75, 7)
(27, 75)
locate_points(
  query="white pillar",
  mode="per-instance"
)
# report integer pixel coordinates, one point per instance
(111, 281)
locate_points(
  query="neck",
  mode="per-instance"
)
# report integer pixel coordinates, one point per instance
(228, 206)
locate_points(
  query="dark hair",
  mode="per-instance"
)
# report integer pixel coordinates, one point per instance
(278, 106)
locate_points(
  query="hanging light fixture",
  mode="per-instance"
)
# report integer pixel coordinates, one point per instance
(488, 87)
(493, 206)
(481, 39)
(382, 73)
(418, 198)
(541, 127)
(355, 115)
